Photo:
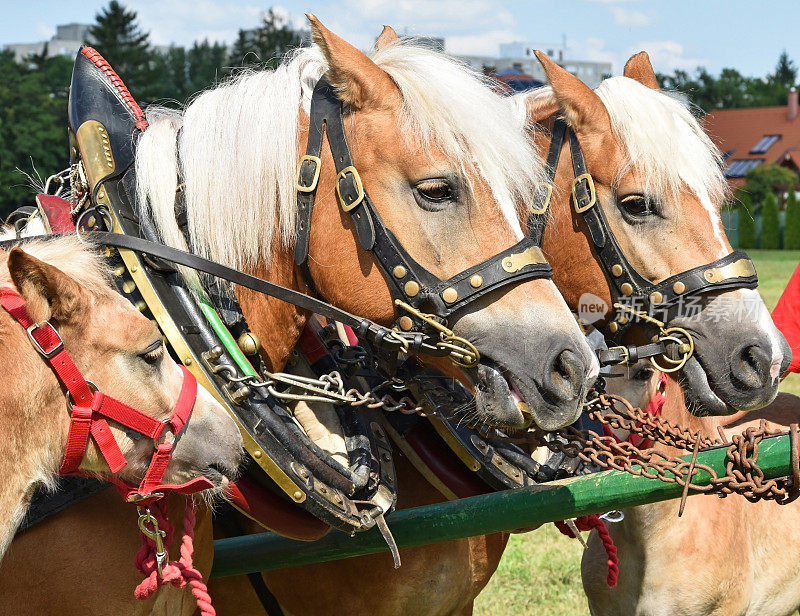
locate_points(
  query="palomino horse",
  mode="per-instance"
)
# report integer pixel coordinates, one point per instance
(448, 170)
(123, 354)
(674, 151)
(723, 556)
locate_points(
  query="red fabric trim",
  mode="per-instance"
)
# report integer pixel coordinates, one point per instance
(57, 212)
(786, 317)
(100, 62)
(311, 346)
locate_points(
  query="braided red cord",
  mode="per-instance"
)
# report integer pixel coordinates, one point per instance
(588, 522)
(176, 572)
(100, 62)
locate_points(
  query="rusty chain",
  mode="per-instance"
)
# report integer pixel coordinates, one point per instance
(742, 474)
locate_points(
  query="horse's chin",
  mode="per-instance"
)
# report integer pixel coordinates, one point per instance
(699, 395)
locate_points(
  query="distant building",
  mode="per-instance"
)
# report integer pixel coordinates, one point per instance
(519, 57)
(756, 135)
(66, 42)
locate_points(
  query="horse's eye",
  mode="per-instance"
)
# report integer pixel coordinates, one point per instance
(153, 354)
(635, 205)
(643, 373)
(436, 190)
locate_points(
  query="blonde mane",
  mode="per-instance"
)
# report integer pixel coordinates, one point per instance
(236, 146)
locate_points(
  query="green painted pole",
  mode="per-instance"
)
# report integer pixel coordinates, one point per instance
(481, 515)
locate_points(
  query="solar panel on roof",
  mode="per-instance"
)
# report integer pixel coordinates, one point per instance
(739, 167)
(764, 144)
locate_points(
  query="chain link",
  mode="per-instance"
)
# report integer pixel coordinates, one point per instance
(742, 474)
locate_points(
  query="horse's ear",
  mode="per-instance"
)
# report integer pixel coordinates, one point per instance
(357, 79)
(640, 69)
(540, 105)
(583, 109)
(387, 36)
(48, 292)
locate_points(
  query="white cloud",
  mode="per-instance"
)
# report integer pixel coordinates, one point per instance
(666, 56)
(482, 44)
(44, 31)
(629, 17)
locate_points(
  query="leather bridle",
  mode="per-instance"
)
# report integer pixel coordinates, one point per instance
(628, 287)
(424, 301)
(90, 410)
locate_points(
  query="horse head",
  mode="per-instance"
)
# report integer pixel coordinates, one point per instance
(122, 353)
(658, 185)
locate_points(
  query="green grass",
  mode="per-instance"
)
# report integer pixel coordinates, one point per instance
(540, 571)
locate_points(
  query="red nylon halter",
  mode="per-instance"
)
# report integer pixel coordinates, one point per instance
(653, 409)
(89, 409)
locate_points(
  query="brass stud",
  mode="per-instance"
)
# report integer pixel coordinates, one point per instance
(405, 323)
(613, 327)
(298, 495)
(128, 286)
(623, 320)
(257, 454)
(249, 343)
(679, 287)
(476, 281)
(626, 289)
(656, 297)
(141, 306)
(119, 270)
(187, 361)
(449, 295)
(134, 269)
(399, 271)
(411, 288)
(90, 221)
(101, 194)
(616, 269)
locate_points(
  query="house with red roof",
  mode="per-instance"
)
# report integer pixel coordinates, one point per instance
(756, 135)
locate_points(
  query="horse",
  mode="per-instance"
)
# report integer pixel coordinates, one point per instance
(612, 139)
(722, 556)
(449, 173)
(122, 352)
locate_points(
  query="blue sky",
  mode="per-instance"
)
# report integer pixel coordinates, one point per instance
(742, 34)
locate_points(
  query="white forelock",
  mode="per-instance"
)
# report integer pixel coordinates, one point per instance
(238, 145)
(663, 140)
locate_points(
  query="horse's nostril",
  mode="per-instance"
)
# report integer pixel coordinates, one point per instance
(565, 375)
(750, 367)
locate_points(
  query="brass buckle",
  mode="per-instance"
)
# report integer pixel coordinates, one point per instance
(359, 187)
(543, 209)
(624, 352)
(39, 347)
(317, 167)
(586, 177)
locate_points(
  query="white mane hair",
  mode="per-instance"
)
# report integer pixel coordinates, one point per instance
(660, 137)
(238, 148)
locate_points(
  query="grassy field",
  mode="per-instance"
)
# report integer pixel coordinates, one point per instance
(540, 571)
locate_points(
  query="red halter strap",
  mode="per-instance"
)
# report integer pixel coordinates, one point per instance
(89, 409)
(653, 409)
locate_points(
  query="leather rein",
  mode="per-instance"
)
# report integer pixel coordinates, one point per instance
(90, 409)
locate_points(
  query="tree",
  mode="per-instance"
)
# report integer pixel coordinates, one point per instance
(785, 71)
(118, 37)
(206, 64)
(266, 45)
(747, 223)
(791, 237)
(764, 180)
(33, 120)
(770, 224)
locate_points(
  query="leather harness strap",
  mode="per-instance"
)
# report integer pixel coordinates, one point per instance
(408, 281)
(90, 409)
